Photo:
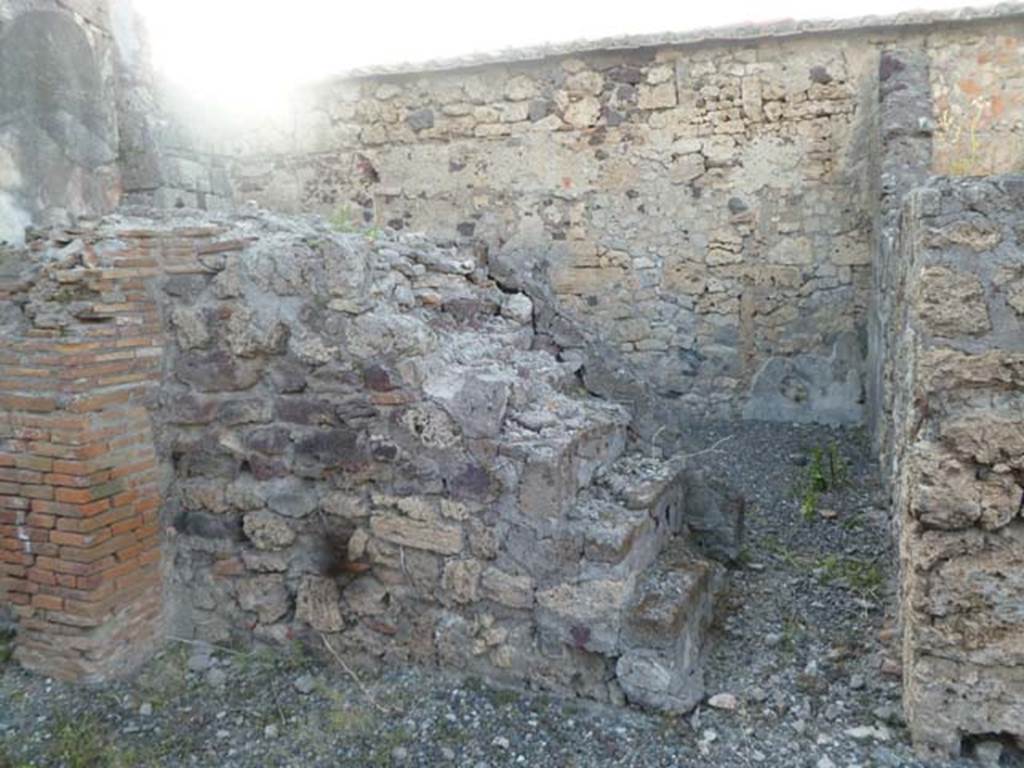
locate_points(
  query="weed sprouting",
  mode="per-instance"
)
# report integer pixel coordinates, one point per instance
(80, 743)
(826, 471)
(345, 222)
(862, 577)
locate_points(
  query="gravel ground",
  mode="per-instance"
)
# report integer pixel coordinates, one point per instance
(801, 674)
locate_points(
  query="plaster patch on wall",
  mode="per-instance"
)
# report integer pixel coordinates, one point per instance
(13, 218)
(810, 387)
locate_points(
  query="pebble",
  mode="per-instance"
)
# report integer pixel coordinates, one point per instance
(501, 742)
(270, 731)
(726, 701)
(217, 678)
(892, 668)
(857, 682)
(146, 709)
(200, 662)
(399, 754)
(707, 738)
(825, 762)
(305, 684)
(865, 732)
(887, 713)
(222, 734)
(988, 753)
(447, 753)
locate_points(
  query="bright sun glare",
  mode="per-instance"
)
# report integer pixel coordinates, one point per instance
(248, 53)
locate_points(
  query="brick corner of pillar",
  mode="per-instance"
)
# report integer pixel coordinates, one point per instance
(79, 513)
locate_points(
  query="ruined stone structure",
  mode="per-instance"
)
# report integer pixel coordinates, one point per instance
(957, 461)
(448, 447)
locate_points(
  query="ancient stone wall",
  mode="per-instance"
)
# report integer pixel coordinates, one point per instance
(903, 152)
(177, 166)
(958, 370)
(706, 208)
(58, 113)
(709, 208)
(978, 89)
(356, 440)
(449, 452)
(84, 125)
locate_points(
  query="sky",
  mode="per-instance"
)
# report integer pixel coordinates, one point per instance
(242, 52)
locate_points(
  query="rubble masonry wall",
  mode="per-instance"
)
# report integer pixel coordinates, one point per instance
(709, 209)
(958, 365)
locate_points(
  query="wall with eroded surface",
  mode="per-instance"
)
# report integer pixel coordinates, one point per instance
(708, 208)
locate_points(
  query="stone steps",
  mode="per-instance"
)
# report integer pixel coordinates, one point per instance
(560, 454)
(641, 593)
(664, 629)
(624, 518)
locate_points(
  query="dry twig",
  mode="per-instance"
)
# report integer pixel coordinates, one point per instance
(204, 644)
(354, 676)
(712, 449)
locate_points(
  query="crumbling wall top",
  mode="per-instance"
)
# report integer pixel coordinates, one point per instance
(734, 33)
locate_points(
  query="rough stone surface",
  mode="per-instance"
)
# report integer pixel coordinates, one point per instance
(451, 449)
(59, 137)
(957, 465)
(378, 449)
(709, 212)
(317, 603)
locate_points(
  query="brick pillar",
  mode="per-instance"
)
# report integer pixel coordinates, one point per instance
(79, 495)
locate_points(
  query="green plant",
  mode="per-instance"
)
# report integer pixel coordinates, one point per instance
(826, 471)
(341, 715)
(788, 557)
(164, 680)
(862, 577)
(503, 697)
(6, 761)
(387, 742)
(80, 742)
(295, 658)
(853, 522)
(809, 503)
(344, 221)
(745, 557)
(792, 631)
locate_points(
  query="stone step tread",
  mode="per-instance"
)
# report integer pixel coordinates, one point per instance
(665, 627)
(611, 532)
(637, 481)
(556, 423)
(634, 504)
(607, 611)
(561, 459)
(667, 595)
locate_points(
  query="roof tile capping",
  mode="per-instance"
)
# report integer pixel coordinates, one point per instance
(733, 33)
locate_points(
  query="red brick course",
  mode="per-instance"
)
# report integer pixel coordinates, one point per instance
(79, 497)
